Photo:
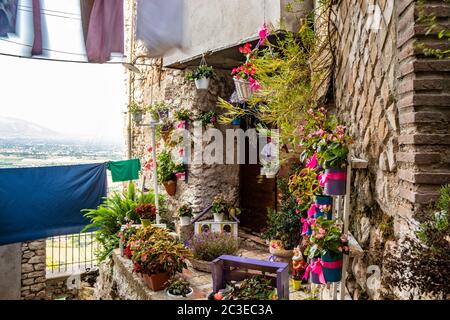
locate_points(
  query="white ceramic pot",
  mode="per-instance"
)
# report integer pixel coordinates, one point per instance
(218, 217)
(137, 116)
(202, 84)
(185, 221)
(174, 297)
(243, 89)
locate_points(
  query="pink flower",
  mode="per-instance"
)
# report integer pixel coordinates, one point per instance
(180, 125)
(254, 85)
(246, 48)
(150, 149)
(181, 152)
(340, 249)
(312, 163)
(263, 32)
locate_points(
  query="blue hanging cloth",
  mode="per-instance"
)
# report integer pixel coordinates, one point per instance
(41, 202)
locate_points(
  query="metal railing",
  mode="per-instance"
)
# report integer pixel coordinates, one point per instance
(71, 253)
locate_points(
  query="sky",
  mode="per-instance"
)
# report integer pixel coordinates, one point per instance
(77, 99)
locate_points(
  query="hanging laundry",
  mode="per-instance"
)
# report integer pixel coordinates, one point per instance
(105, 29)
(85, 11)
(8, 15)
(159, 24)
(41, 202)
(124, 170)
(37, 27)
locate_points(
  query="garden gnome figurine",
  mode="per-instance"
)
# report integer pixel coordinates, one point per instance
(298, 263)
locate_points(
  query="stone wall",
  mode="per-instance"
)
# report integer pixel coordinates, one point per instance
(155, 84)
(33, 270)
(393, 100)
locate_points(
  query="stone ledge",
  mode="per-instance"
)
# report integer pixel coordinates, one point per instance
(426, 139)
(419, 158)
(424, 177)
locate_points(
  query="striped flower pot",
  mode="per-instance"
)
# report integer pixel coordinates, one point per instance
(324, 204)
(335, 181)
(331, 266)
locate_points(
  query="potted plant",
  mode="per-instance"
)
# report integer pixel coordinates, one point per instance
(157, 256)
(185, 214)
(126, 232)
(219, 207)
(321, 207)
(147, 213)
(165, 129)
(182, 116)
(332, 153)
(136, 112)
(207, 246)
(159, 111)
(243, 75)
(326, 246)
(208, 118)
(180, 171)
(179, 289)
(165, 170)
(201, 76)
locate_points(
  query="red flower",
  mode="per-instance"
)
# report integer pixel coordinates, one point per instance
(246, 48)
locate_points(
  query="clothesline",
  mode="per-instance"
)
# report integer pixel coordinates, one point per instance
(64, 60)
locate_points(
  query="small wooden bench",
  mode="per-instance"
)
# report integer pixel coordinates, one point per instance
(232, 268)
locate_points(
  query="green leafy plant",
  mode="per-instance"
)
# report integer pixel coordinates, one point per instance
(146, 211)
(284, 224)
(117, 209)
(165, 167)
(158, 109)
(207, 117)
(208, 246)
(258, 287)
(134, 108)
(155, 251)
(202, 71)
(185, 210)
(326, 238)
(179, 287)
(182, 114)
(219, 204)
(305, 185)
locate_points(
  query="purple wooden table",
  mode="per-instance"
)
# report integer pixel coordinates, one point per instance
(227, 268)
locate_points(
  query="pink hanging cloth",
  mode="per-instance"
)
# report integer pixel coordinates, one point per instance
(106, 30)
(37, 43)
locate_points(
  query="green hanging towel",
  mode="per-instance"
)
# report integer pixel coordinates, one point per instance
(124, 170)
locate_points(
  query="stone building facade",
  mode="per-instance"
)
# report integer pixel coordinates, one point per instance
(33, 270)
(395, 102)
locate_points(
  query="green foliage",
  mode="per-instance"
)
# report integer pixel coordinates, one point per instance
(284, 73)
(326, 238)
(285, 224)
(179, 287)
(433, 25)
(182, 114)
(434, 232)
(207, 117)
(208, 246)
(155, 251)
(203, 71)
(254, 288)
(134, 108)
(304, 185)
(332, 155)
(185, 210)
(157, 108)
(219, 204)
(165, 167)
(116, 210)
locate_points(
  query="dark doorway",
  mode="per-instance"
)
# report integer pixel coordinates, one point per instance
(256, 194)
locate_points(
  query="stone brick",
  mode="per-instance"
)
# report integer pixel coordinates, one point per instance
(39, 266)
(421, 117)
(425, 177)
(425, 139)
(37, 287)
(27, 268)
(27, 282)
(419, 158)
(37, 259)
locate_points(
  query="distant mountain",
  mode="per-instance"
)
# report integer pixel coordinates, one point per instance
(13, 128)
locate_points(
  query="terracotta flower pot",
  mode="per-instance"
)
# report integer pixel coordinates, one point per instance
(171, 187)
(157, 282)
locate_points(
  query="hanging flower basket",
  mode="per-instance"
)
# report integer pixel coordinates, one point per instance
(323, 207)
(202, 83)
(137, 116)
(334, 181)
(243, 89)
(171, 187)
